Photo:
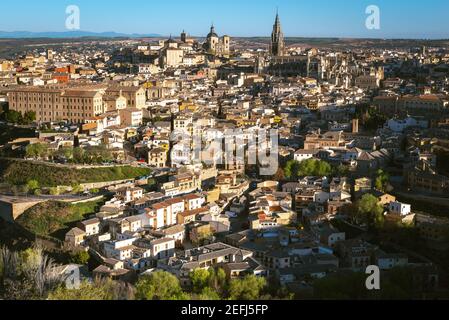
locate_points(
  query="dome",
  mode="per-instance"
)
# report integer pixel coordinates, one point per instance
(212, 33)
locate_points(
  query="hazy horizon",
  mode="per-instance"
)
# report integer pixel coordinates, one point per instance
(35, 35)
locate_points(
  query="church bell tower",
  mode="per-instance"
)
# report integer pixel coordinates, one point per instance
(277, 39)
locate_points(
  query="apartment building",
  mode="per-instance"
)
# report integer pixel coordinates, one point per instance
(181, 184)
(434, 229)
(424, 178)
(429, 103)
(324, 141)
(90, 227)
(157, 157)
(57, 103)
(135, 96)
(78, 103)
(131, 117)
(167, 213)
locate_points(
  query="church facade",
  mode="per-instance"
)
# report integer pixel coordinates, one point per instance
(218, 46)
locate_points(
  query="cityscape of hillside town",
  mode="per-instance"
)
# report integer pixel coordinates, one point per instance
(224, 168)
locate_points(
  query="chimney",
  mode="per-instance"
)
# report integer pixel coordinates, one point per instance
(355, 125)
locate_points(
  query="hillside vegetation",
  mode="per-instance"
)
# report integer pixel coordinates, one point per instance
(19, 173)
(55, 218)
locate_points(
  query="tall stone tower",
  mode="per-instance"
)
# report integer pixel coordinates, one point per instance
(183, 36)
(277, 39)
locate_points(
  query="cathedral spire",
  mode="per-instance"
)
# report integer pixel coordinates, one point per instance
(277, 38)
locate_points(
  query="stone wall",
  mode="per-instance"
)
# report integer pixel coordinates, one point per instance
(98, 185)
(11, 209)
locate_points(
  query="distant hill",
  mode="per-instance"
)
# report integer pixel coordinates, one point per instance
(71, 34)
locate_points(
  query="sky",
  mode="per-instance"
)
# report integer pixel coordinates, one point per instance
(239, 18)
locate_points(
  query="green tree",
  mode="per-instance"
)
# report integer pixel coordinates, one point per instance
(209, 294)
(32, 185)
(248, 288)
(309, 167)
(369, 211)
(36, 150)
(200, 279)
(98, 154)
(31, 151)
(66, 153)
(13, 116)
(382, 180)
(291, 169)
(341, 171)
(54, 191)
(159, 285)
(80, 257)
(29, 117)
(218, 280)
(77, 189)
(78, 155)
(322, 169)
